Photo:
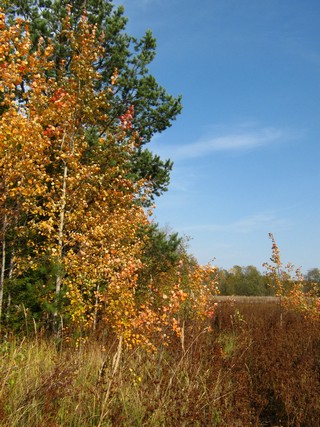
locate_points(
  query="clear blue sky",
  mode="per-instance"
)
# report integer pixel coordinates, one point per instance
(246, 148)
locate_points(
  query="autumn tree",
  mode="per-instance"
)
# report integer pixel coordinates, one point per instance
(123, 68)
(22, 166)
(64, 195)
(67, 201)
(289, 285)
(155, 109)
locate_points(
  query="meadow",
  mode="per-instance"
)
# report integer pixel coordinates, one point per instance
(252, 364)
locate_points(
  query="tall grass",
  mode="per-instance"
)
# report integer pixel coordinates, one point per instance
(247, 370)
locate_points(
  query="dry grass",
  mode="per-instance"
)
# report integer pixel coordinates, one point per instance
(250, 370)
(236, 299)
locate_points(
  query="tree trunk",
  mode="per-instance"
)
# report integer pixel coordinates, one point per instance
(61, 227)
(9, 293)
(96, 308)
(3, 262)
(57, 327)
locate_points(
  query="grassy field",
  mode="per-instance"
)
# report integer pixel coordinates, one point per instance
(248, 367)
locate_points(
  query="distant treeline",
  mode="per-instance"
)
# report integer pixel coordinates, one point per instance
(251, 282)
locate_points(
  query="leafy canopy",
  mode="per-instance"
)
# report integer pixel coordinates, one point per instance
(124, 63)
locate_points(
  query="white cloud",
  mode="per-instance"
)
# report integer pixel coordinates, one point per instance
(227, 142)
(247, 135)
(248, 224)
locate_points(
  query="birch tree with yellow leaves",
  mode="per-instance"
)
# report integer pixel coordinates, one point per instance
(65, 195)
(67, 199)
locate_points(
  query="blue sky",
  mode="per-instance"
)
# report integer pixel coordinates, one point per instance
(246, 148)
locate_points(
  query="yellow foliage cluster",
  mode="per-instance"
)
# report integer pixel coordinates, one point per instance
(65, 197)
(289, 285)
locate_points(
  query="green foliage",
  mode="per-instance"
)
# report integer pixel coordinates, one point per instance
(312, 280)
(243, 281)
(161, 254)
(31, 297)
(146, 165)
